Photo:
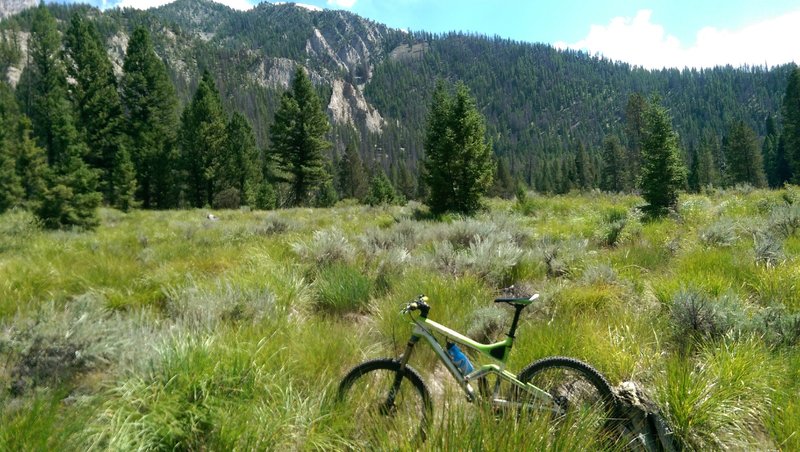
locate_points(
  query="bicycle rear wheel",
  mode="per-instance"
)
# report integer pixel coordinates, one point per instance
(580, 395)
(388, 406)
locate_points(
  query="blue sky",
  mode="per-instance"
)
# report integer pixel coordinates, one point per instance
(673, 33)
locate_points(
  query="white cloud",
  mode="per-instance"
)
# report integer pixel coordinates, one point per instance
(146, 4)
(641, 42)
(342, 3)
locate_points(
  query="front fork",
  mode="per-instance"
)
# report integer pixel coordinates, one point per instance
(403, 359)
(398, 377)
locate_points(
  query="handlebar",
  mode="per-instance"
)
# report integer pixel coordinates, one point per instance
(419, 303)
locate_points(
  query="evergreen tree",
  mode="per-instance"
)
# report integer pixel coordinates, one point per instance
(202, 142)
(504, 185)
(298, 139)
(458, 166)
(351, 177)
(71, 197)
(31, 165)
(703, 172)
(791, 125)
(614, 177)
(404, 183)
(745, 164)
(381, 190)
(634, 129)
(46, 92)
(326, 195)
(663, 172)
(99, 110)
(583, 169)
(123, 181)
(151, 109)
(241, 167)
(775, 165)
(11, 191)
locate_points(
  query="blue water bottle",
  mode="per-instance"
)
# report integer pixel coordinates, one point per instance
(459, 358)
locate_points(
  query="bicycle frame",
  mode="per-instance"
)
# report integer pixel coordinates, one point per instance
(499, 351)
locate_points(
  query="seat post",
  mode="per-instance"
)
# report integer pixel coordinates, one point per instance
(517, 310)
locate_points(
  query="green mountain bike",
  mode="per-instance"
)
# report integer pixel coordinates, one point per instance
(390, 400)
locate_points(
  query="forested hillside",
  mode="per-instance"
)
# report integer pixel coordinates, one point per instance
(542, 105)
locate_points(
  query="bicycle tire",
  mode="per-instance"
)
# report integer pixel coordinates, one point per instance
(578, 390)
(381, 418)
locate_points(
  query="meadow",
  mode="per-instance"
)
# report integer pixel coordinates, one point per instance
(171, 331)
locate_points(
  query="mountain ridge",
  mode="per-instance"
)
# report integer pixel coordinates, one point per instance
(540, 102)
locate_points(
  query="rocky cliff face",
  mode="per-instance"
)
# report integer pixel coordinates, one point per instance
(11, 7)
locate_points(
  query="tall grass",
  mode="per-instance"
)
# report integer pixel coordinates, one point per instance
(164, 330)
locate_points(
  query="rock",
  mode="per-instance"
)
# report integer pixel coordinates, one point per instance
(10, 7)
(643, 421)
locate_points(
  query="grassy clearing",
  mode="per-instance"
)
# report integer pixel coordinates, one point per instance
(166, 330)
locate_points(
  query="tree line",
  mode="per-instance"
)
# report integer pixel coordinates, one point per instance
(75, 137)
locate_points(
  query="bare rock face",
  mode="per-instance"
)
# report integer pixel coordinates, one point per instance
(11, 7)
(348, 105)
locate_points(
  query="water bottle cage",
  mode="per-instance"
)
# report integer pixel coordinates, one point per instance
(458, 357)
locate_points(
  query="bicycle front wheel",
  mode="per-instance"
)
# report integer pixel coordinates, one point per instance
(579, 394)
(389, 407)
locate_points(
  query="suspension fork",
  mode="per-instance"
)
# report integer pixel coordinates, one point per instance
(398, 377)
(409, 348)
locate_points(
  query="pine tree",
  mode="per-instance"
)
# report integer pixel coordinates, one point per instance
(775, 165)
(151, 109)
(404, 184)
(241, 165)
(11, 191)
(99, 110)
(745, 164)
(203, 140)
(703, 172)
(583, 169)
(634, 129)
(71, 197)
(663, 172)
(298, 139)
(614, 177)
(381, 190)
(504, 185)
(46, 92)
(458, 166)
(351, 177)
(791, 125)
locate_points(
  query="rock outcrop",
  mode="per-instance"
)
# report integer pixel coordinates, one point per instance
(11, 7)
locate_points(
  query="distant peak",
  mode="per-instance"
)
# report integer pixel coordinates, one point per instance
(300, 5)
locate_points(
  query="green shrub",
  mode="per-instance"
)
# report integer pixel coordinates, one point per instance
(695, 315)
(326, 247)
(342, 288)
(777, 327)
(204, 309)
(274, 224)
(610, 230)
(16, 228)
(230, 198)
(768, 249)
(785, 220)
(488, 324)
(560, 256)
(59, 344)
(722, 233)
